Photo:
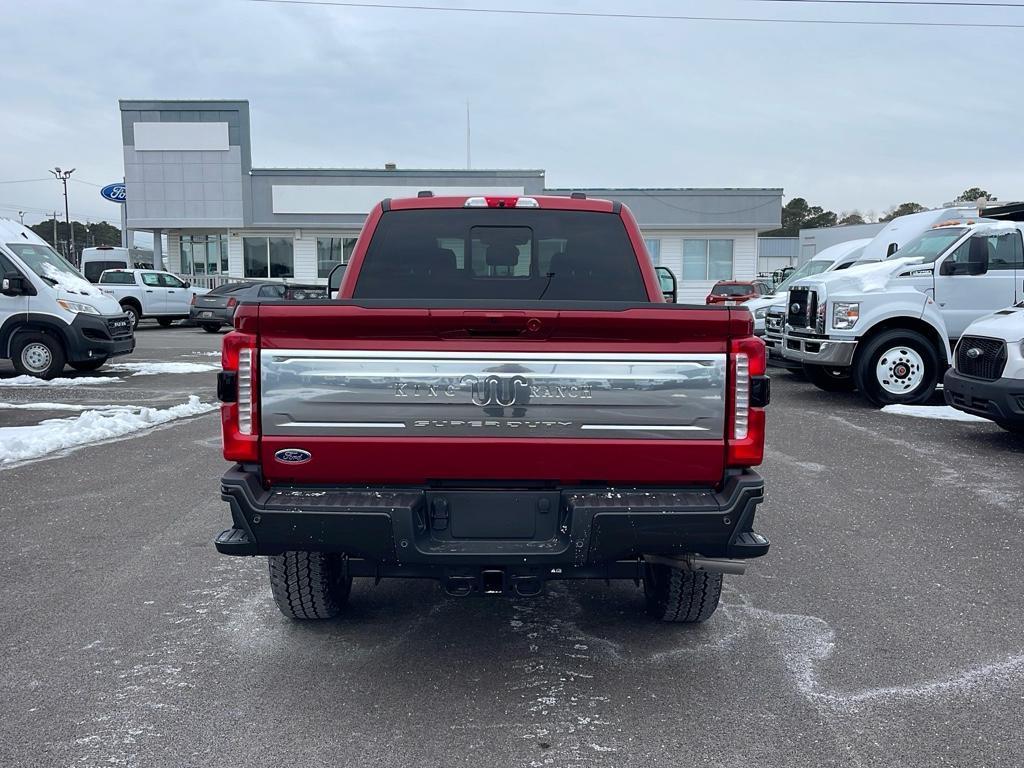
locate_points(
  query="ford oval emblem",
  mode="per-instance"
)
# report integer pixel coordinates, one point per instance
(974, 353)
(293, 456)
(794, 307)
(115, 193)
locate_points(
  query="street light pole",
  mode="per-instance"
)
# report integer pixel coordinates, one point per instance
(64, 176)
(21, 217)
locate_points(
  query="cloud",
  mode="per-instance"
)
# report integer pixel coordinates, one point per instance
(849, 117)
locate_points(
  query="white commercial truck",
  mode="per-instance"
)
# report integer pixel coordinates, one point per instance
(887, 329)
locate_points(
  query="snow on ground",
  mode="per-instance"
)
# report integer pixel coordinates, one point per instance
(32, 381)
(150, 369)
(202, 354)
(31, 442)
(933, 412)
(65, 407)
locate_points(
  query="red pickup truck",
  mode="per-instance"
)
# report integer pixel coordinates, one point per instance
(499, 396)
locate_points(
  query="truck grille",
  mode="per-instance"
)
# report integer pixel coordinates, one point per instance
(981, 358)
(803, 308)
(119, 327)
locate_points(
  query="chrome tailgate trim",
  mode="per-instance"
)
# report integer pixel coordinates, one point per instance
(350, 393)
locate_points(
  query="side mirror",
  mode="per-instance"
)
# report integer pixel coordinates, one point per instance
(667, 281)
(12, 285)
(893, 247)
(334, 281)
(187, 283)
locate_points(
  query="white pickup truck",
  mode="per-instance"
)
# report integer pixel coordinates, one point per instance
(150, 293)
(887, 329)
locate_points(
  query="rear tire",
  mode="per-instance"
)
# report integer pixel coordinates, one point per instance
(210, 327)
(165, 322)
(308, 585)
(38, 354)
(679, 595)
(89, 365)
(897, 367)
(830, 379)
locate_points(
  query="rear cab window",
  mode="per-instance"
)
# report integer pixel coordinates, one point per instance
(732, 290)
(520, 254)
(117, 278)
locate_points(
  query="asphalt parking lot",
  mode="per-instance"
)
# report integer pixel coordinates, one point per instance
(884, 627)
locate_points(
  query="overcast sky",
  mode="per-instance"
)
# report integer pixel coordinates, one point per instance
(846, 116)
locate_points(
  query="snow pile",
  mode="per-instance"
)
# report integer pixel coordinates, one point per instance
(945, 412)
(31, 442)
(70, 283)
(32, 381)
(64, 407)
(150, 369)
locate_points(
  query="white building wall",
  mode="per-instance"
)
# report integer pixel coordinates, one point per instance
(744, 257)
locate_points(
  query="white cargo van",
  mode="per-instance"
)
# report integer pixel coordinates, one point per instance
(103, 257)
(50, 315)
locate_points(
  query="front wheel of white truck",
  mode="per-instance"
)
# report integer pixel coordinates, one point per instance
(680, 595)
(309, 585)
(897, 367)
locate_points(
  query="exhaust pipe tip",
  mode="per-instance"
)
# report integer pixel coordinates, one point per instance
(459, 586)
(528, 587)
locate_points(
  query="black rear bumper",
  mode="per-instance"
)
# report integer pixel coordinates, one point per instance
(551, 533)
(1001, 400)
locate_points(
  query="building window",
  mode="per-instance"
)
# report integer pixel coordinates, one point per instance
(654, 250)
(332, 251)
(268, 257)
(204, 254)
(707, 259)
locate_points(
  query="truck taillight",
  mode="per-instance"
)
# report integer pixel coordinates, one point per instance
(741, 397)
(240, 412)
(745, 432)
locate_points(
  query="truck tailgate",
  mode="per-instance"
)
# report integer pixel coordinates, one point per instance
(351, 393)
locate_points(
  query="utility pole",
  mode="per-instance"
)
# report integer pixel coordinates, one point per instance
(64, 176)
(55, 230)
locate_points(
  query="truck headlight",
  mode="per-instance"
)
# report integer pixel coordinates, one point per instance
(78, 307)
(845, 314)
(760, 313)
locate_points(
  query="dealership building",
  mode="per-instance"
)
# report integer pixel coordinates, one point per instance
(189, 176)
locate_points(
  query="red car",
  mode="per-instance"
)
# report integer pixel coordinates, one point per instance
(734, 291)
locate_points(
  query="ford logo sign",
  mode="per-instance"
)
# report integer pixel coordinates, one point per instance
(293, 456)
(974, 353)
(794, 307)
(115, 193)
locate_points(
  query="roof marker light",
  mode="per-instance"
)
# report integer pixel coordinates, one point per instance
(501, 202)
